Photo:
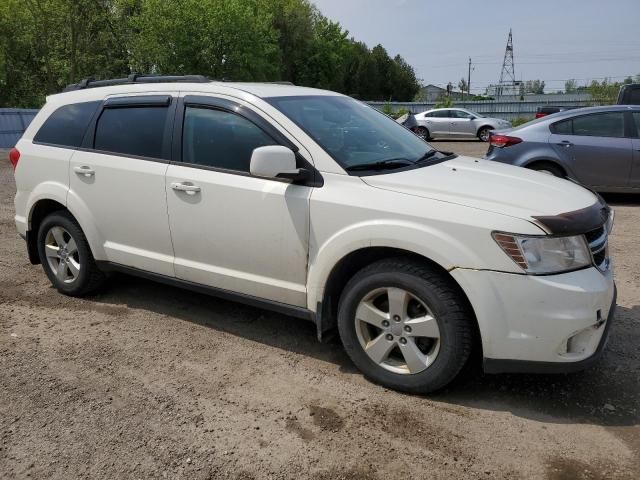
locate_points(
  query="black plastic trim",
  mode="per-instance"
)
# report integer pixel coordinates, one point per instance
(493, 365)
(286, 309)
(138, 101)
(578, 221)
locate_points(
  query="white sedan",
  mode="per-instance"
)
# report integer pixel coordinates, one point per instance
(457, 123)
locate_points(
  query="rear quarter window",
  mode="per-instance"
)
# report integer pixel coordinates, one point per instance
(67, 125)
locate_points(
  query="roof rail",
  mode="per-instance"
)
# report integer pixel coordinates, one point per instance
(135, 78)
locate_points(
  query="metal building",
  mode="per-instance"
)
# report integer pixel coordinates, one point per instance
(13, 123)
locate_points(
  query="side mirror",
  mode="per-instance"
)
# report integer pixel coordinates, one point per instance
(276, 161)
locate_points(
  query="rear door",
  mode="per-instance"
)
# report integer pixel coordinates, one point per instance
(595, 148)
(438, 123)
(118, 179)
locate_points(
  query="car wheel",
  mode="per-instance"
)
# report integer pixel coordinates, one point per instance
(66, 257)
(405, 326)
(548, 168)
(484, 134)
(423, 133)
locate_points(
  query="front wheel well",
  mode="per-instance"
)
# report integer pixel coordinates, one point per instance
(355, 261)
(39, 212)
(484, 126)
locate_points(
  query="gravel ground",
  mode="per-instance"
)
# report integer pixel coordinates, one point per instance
(148, 381)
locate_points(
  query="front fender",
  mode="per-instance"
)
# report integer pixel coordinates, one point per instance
(441, 248)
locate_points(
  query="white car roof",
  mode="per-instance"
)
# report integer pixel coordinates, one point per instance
(261, 90)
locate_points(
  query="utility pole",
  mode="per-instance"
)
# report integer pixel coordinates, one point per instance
(469, 80)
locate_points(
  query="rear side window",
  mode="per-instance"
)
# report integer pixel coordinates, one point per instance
(136, 131)
(67, 125)
(609, 124)
(636, 118)
(220, 139)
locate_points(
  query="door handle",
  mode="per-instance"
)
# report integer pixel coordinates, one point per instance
(187, 187)
(85, 170)
(565, 143)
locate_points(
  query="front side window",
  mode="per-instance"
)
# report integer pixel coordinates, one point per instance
(67, 125)
(136, 131)
(221, 139)
(355, 135)
(461, 114)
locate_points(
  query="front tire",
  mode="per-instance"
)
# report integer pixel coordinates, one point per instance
(66, 257)
(406, 326)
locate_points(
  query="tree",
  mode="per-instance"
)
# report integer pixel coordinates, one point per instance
(462, 85)
(534, 86)
(570, 86)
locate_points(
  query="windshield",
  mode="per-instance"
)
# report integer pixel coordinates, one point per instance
(357, 136)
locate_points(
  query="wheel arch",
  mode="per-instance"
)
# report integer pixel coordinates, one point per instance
(484, 125)
(542, 161)
(356, 260)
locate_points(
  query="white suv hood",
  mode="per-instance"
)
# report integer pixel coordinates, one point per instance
(490, 186)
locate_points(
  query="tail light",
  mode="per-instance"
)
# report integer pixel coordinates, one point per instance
(540, 115)
(502, 141)
(14, 156)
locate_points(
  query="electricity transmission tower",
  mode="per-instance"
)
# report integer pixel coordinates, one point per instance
(507, 81)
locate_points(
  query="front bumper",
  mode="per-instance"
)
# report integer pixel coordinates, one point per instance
(545, 324)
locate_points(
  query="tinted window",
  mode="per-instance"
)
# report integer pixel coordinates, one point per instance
(636, 118)
(220, 139)
(67, 125)
(132, 131)
(562, 128)
(609, 124)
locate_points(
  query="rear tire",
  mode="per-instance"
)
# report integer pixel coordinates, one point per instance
(484, 134)
(548, 168)
(423, 133)
(66, 257)
(419, 330)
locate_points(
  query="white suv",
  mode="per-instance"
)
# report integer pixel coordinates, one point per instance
(318, 206)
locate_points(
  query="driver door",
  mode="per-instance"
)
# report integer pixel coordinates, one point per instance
(232, 230)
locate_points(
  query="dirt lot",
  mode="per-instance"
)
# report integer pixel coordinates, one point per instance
(147, 381)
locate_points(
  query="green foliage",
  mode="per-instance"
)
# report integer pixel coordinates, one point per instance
(532, 86)
(516, 122)
(444, 102)
(61, 41)
(604, 92)
(570, 86)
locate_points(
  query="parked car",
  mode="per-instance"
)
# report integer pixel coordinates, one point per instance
(629, 94)
(318, 206)
(457, 123)
(550, 109)
(598, 146)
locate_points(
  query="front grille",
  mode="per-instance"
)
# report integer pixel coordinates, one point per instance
(597, 240)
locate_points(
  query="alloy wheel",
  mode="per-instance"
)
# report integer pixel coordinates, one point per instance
(397, 330)
(62, 254)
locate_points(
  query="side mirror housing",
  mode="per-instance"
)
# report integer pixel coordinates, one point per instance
(276, 161)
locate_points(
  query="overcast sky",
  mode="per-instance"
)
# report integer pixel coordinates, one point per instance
(554, 40)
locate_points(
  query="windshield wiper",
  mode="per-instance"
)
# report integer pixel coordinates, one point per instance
(427, 156)
(389, 164)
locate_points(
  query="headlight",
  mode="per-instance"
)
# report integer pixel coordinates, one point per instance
(540, 255)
